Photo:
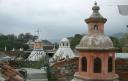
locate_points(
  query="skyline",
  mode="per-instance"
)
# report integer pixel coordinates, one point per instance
(57, 18)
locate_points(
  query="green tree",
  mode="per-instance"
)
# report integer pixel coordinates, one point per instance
(124, 39)
(12, 41)
(124, 42)
(116, 43)
(26, 37)
(21, 36)
(75, 40)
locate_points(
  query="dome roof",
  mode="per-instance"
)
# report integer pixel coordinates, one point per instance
(64, 43)
(64, 50)
(96, 16)
(64, 40)
(95, 42)
(95, 13)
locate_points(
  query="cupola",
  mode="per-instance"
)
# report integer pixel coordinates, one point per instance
(95, 39)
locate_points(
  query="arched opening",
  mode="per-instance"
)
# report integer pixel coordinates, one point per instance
(63, 43)
(110, 64)
(95, 27)
(67, 44)
(84, 64)
(97, 65)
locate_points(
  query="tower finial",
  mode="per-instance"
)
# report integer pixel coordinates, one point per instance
(95, 3)
(95, 8)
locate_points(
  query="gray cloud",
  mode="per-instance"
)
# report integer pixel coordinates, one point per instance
(57, 18)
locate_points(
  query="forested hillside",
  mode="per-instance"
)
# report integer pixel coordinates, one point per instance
(11, 41)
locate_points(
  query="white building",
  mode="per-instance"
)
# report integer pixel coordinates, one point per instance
(64, 50)
(38, 52)
(30, 43)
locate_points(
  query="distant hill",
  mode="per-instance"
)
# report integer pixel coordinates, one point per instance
(118, 35)
(1, 34)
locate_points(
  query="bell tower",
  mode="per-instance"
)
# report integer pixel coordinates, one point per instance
(95, 21)
(96, 52)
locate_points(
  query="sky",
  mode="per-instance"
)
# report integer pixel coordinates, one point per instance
(57, 18)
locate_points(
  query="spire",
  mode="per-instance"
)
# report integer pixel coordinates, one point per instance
(95, 3)
(96, 16)
(95, 8)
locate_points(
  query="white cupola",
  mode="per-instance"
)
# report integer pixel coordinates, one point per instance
(64, 50)
(64, 43)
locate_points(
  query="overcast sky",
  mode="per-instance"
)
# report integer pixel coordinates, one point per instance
(57, 18)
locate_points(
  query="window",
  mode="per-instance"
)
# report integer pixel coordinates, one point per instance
(97, 65)
(110, 64)
(84, 64)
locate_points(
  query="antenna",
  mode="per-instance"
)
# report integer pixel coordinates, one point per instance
(38, 32)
